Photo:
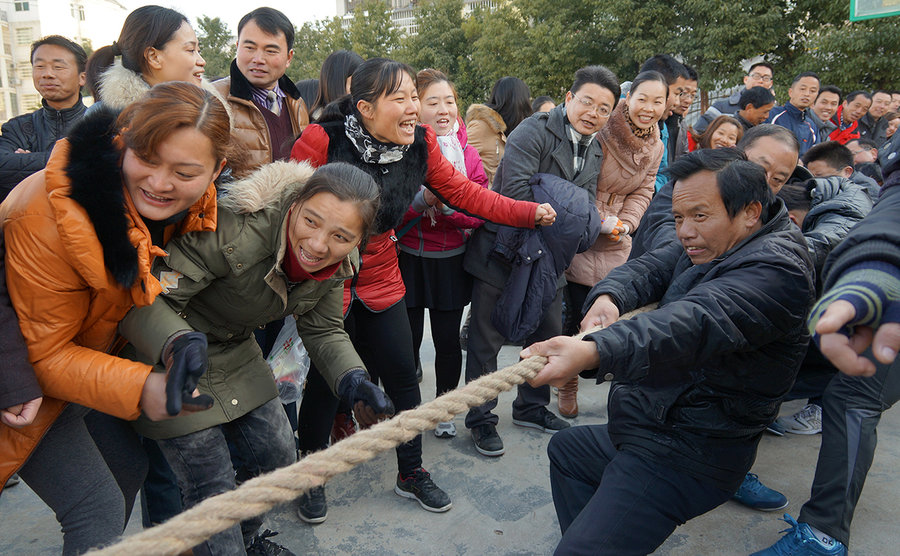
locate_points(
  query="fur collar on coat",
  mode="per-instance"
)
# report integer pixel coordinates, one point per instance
(487, 115)
(267, 187)
(618, 141)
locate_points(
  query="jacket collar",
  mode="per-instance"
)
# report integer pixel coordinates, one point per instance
(794, 111)
(66, 114)
(241, 88)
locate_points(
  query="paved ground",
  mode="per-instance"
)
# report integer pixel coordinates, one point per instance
(503, 505)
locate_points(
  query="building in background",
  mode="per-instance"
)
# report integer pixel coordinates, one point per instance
(91, 23)
(403, 12)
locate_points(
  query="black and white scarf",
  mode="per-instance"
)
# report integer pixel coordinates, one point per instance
(370, 149)
(579, 146)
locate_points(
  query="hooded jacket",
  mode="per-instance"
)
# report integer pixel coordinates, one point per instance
(379, 284)
(624, 189)
(36, 132)
(837, 205)
(228, 283)
(698, 379)
(486, 130)
(78, 258)
(248, 125)
(540, 257)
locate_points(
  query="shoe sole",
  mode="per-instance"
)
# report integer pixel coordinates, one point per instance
(805, 432)
(311, 520)
(444, 434)
(530, 425)
(775, 431)
(489, 453)
(786, 504)
(400, 492)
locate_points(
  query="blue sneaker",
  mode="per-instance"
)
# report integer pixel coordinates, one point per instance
(758, 496)
(800, 541)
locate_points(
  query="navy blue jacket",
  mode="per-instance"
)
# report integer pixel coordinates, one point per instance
(792, 118)
(540, 256)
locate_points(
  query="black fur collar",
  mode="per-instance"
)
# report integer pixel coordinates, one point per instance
(96, 184)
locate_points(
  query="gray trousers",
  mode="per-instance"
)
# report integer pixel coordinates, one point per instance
(88, 469)
(202, 464)
(484, 344)
(851, 410)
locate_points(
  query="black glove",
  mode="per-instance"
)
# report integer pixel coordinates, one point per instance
(356, 387)
(186, 361)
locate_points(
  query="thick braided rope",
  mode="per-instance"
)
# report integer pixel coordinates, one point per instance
(261, 494)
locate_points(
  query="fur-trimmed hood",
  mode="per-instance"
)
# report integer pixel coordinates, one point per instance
(487, 115)
(119, 87)
(266, 187)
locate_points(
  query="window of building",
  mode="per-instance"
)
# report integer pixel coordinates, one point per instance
(80, 13)
(21, 6)
(24, 35)
(32, 102)
(24, 72)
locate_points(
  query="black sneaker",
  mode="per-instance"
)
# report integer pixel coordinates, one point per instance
(262, 546)
(419, 486)
(312, 507)
(487, 441)
(545, 420)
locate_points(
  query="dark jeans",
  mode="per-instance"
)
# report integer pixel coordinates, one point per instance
(203, 467)
(88, 469)
(616, 502)
(445, 334)
(484, 344)
(851, 410)
(384, 342)
(160, 497)
(576, 295)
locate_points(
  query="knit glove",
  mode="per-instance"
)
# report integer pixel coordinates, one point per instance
(872, 287)
(185, 359)
(356, 388)
(613, 228)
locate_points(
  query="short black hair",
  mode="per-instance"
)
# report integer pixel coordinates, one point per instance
(782, 134)
(598, 75)
(740, 181)
(667, 65)
(59, 40)
(866, 143)
(832, 153)
(763, 64)
(882, 91)
(800, 76)
(831, 89)
(692, 73)
(272, 22)
(757, 96)
(852, 96)
(796, 196)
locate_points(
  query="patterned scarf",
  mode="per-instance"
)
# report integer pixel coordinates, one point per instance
(638, 132)
(370, 149)
(579, 146)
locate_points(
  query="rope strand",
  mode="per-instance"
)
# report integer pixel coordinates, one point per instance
(262, 493)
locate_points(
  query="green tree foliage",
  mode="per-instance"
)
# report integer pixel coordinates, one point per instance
(372, 34)
(313, 42)
(217, 46)
(441, 41)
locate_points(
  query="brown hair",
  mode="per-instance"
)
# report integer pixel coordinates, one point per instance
(428, 77)
(145, 124)
(704, 140)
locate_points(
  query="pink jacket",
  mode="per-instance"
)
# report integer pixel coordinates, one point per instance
(447, 232)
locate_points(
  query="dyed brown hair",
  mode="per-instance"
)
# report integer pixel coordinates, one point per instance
(428, 77)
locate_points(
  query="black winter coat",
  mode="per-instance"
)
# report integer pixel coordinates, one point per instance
(36, 132)
(540, 256)
(700, 378)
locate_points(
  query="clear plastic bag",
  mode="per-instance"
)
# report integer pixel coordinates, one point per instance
(289, 362)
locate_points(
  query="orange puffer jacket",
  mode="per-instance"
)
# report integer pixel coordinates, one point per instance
(73, 237)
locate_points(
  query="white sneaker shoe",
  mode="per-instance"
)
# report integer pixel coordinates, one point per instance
(445, 430)
(806, 421)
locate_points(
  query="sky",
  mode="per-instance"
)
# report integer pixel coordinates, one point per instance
(298, 11)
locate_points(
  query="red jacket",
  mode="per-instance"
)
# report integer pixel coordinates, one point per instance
(843, 136)
(379, 284)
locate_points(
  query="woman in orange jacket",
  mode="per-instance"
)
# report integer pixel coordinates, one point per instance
(80, 238)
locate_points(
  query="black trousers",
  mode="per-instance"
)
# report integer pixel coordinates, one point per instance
(384, 342)
(617, 503)
(484, 344)
(851, 409)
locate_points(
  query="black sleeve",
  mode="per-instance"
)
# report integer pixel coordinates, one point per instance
(18, 383)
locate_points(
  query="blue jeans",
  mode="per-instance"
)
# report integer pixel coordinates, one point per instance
(615, 502)
(203, 467)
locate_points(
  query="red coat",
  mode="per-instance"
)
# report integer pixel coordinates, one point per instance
(379, 284)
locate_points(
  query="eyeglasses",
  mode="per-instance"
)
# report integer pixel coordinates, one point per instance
(601, 111)
(687, 95)
(763, 78)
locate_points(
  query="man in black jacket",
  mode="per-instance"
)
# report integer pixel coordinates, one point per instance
(862, 279)
(696, 381)
(26, 140)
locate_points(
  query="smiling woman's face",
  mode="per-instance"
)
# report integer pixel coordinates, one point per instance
(323, 230)
(439, 108)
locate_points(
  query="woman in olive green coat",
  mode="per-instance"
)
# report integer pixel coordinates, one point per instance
(286, 241)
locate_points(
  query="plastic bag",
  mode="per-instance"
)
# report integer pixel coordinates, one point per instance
(289, 362)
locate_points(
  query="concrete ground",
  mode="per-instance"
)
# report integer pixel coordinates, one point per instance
(503, 505)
